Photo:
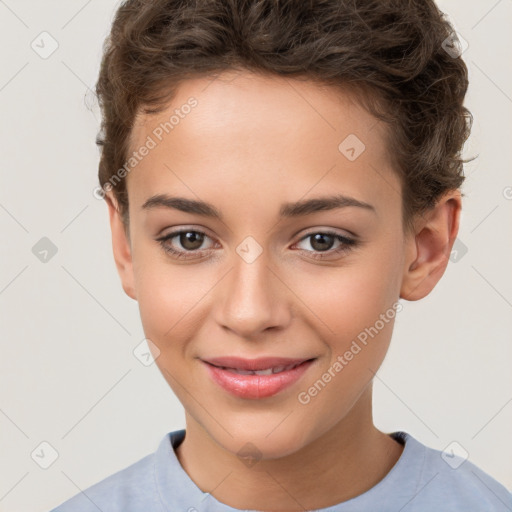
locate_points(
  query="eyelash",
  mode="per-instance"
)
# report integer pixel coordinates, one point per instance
(347, 244)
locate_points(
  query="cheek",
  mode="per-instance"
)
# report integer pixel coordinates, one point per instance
(166, 293)
(167, 302)
(347, 299)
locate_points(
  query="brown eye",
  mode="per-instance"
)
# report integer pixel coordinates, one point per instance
(321, 241)
(191, 240)
(185, 243)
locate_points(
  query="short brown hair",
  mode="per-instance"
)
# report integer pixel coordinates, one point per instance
(391, 53)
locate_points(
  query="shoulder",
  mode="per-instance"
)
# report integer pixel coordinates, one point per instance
(452, 482)
(127, 490)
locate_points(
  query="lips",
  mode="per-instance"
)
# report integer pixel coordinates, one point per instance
(256, 378)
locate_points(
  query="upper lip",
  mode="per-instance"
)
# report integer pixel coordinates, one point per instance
(261, 363)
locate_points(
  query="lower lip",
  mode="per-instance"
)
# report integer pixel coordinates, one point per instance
(256, 386)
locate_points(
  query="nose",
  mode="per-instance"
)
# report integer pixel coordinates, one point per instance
(252, 298)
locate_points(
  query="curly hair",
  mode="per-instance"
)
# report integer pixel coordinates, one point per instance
(390, 53)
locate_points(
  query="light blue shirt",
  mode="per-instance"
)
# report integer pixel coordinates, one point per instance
(423, 479)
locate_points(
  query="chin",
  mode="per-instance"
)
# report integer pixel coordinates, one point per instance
(256, 439)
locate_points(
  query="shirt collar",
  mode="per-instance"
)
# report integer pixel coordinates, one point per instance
(177, 491)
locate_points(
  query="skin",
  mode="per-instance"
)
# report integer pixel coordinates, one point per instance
(251, 144)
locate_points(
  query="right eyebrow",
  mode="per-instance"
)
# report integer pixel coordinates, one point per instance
(182, 204)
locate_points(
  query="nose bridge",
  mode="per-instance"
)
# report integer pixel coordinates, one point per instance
(252, 300)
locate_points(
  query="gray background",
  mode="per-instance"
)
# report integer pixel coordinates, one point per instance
(69, 376)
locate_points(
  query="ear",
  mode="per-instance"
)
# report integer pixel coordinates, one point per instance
(121, 247)
(429, 247)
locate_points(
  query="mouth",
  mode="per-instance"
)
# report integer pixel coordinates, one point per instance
(256, 378)
(266, 371)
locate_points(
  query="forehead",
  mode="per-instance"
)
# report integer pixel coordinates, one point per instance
(249, 103)
(273, 135)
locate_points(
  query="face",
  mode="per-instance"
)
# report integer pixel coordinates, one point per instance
(265, 277)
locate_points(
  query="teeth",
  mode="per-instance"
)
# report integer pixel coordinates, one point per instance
(240, 372)
(267, 371)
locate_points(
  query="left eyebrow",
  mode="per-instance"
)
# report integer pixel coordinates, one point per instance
(309, 206)
(294, 209)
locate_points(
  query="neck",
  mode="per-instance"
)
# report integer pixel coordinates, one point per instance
(341, 464)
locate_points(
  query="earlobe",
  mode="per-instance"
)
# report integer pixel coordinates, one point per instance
(428, 251)
(121, 247)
